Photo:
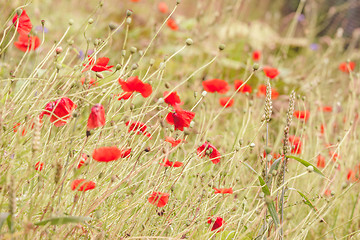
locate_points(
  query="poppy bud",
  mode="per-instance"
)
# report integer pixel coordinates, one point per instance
(99, 75)
(310, 169)
(221, 47)
(71, 22)
(147, 149)
(43, 22)
(192, 123)
(152, 61)
(91, 21)
(195, 95)
(204, 93)
(160, 101)
(252, 145)
(58, 50)
(133, 50)
(118, 67)
(129, 13)
(189, 42)
(167, 85)
(128, 21)
(112, 26)
(178, 2)
(261, 195)
(134, 66)
(19, 12)
(256, 66)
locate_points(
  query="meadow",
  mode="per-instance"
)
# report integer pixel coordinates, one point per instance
(149, 119)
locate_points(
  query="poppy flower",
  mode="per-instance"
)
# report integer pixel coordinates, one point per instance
(134, 84)
(322, 129)
(262, 92)
(138, 127)
(171, 23)
(321, 161)
(97, 117)
(92, 82)
(217, 223)
(167, 163)
(246, 88)
(82, 161)
(125, 96)
(59, 111)
(207, 149)
(347, 67)
(216, 85)
(271, 72)
(334, 156)
(82, 185)
(326, 109)
(27, 43)
(24, 26)
(15, 127)
(180, 118)
(125, 153)
(173, 142)
(39, 166)
(226, 102)
(106, 154)
(256, 55)
(100, 65)
(304, 115)
(223, 190)
(159, 199)
(351, 176)
(172, 98)
(163, 7)
(296, 144)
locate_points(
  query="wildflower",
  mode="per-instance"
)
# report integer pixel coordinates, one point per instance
(163, 8)
(39, 166)
(326, 109)
(82, 161)
(125, 153)
(172, 98)
(320, 161)
(27, 43)
(92, 82)
(106, 154)
(226, 102)
(271, 72)
(207, 149)
(351, 176)
(262, 92)
(223, 190)
(304, 115)
(334, 156)
(137, 127)
(256, 55)
(246, 88)
(24, 26)
(167, 163)
(218, 223)
(15, 127)
(97, 117)
(216, 85)
(59, 111)
(173, 142)
(172, 24)
(347, 67)
(100, 65)
(159, 199)
(82, 185)
(134, 84)
(296, 144)
(180, 118)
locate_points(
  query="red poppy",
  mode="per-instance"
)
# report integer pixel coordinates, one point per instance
(92, 82)
(180, 118)
(295, 144)
(226, 102)
(106, 154)
(138, 127)
(218, 223)
(326, 109)
(159, 199)
(82, 185)
(82, 161)
(172, 98)
(167, 163)
(256, 55)
(271, 72)
(125, 153)
(347, 67)
(15, 127)
(351, 176)
(207, 149)
(172, 24)
(173, 142)
(246, 88)
(304, 115)
(97, 117)
(163, 7)
(27, 43)
(59, 111)
(262, 92)
(216, 85)
(24, 26)
(125, 95)
(100, 65)
(134, 84)
(322, 129)
(334, 156)
(39, 166)
(223, 190)
(321, 161)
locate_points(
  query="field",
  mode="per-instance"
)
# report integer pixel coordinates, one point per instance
(149, 119)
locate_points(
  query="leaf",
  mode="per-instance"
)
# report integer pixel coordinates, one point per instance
(275, 165)
(306, 164)
(307, 201)
(63, 220)
(3, 217)
(270, 203)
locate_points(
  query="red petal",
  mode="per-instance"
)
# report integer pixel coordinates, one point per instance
(106, 154)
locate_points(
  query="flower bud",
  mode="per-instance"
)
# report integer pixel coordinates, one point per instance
(189, 42)
(71, 22)
(91, 21)
(256, 66)
(221, 47)
(58, 50)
